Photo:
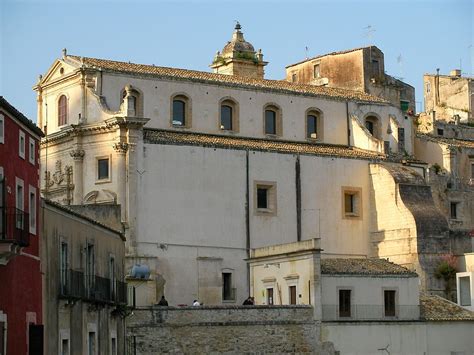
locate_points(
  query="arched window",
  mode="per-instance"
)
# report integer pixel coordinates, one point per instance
(312, 126)
(272, 120)
(372, 124)
(229, 115)
(226, 117)
(180, 111)
(132, 101)
(62, 110)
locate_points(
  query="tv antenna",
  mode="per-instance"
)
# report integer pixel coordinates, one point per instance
(400, 65)
(369, 32)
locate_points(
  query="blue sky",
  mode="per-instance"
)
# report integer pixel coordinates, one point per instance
(186, 34)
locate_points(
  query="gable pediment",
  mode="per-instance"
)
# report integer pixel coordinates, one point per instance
(59, 69)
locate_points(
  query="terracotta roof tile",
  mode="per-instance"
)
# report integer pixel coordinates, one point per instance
(231, 80)
(208, 140)
(435, 308)
(366, 267)
(462, 143)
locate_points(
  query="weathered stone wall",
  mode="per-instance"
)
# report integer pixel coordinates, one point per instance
(225, 329)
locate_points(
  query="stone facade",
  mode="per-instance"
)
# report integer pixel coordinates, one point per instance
(225, 329)
(361, 69)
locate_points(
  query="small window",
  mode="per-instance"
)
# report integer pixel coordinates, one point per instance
(64, 344)
(465, 291)
(316, 71)
(389, 303)
(372, 125)
(440, 132)
(31, 152)
(270, 122)
(2, 129)
(22, 143)
(401, 139)
(270, 299)
(62, 110)
(112, 278)
(226, 117)
(454, 210)
(113, 346)
(375, 67)
(32, 210)
(292, 294)
(103, 168)
(352, 204)
(428, 87)
(312, 126)
(265, 198)
(91, 346)
(179, 113)
(64, 268)
(228, 293)
(293, 77)
(344, 303)
(90, 267)
(20, 204)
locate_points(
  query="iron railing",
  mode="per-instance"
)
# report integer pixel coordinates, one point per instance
(14, 226)
(370, 312)
(75, 285)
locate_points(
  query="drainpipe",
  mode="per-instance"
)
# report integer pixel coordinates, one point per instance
(348, 125)
(437, 87)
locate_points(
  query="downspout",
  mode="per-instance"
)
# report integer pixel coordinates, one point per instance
(247, 214)
(298, 197)
(348, 125)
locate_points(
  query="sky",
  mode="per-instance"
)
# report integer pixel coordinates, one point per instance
(416, 36)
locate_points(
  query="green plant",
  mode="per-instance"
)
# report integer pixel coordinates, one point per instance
(436, 168)
(446, 270)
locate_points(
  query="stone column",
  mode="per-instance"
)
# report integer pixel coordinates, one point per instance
(78, 156)
(121, 149)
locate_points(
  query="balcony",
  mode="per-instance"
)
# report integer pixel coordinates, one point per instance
(74, 285)
(14, 232)
(371, 313)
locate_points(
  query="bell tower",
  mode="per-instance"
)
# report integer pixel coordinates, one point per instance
(238, 57)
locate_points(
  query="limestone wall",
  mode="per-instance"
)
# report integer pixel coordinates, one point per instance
(224, 329)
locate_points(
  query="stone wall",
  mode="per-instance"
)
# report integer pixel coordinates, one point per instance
(225, 329)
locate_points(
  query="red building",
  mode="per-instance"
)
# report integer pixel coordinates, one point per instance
(20, 275)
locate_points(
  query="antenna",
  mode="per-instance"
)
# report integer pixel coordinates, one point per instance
(400, 64)
(306, 49)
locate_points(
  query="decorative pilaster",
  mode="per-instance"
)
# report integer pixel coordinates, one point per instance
(121, 149)
(78, 157)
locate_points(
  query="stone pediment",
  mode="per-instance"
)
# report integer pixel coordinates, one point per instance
(58, 70)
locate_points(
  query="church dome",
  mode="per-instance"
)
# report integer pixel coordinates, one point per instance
(237, 44)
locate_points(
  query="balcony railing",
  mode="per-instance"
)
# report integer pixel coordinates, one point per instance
(370, 312)
(14, 226)
(75, 285)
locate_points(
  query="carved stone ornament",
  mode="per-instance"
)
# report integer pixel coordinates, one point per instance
(59, 176)
(121, 147)
(77, 154)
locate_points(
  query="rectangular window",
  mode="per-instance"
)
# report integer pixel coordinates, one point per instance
(351, 202)
(90, 266)
(2, 129)
(20, 204)
(227, 290)
(375, 67)
(293, 77)
(454, 210)
(113, 346)
(386, 147)
(389, 303)
(440, 132)
(401, 140)
(64, 266)
(270, 122)
(31, 152)
(270, 296)
(32, 209)
(91, 347)
(465, 291)
(344, 303)
(21, 147)
(316, 71)
(265, 197)
(292, 294)
(113, 283)
(103, 169)
(65, 347)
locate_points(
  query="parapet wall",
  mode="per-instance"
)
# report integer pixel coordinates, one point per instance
(225, 329)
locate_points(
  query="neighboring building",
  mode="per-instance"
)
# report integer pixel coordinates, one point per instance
(361, 69)
(21, 321)
(84, 289)
(365, 306)
(465, 282)
(451, 96)
(207, 166)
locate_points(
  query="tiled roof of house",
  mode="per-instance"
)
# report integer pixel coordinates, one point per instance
(462, 143)
(435, 308)
(216, 141)
(363, 267)
(230, 80)
(20, 117)
(328, 54)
